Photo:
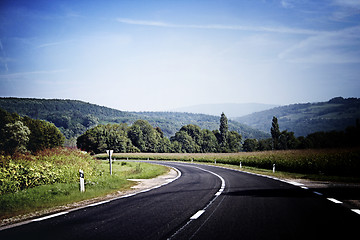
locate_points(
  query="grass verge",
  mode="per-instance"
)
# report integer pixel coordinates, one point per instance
(101, 183)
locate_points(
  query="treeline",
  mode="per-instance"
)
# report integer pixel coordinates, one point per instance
(142, 137)
(284, 140)
(24, 134)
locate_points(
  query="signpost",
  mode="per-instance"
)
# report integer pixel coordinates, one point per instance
(82, 183)
(110, 152)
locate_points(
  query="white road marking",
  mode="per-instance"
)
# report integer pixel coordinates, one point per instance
(356, 211)
(295, 183)
(334, 200)
(50, 216)
(197, 215)
(98, 203)
(317, 193)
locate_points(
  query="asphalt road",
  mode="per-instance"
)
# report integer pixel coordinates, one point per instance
(204, 203)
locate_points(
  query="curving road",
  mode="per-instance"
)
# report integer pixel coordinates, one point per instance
(204, 203)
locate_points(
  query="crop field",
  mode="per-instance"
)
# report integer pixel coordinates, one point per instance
(344, 163)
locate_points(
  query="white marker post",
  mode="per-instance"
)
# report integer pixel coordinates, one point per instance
(240, 165)
(274, 168)
(215, 161)
(82, 182)
(110, 152)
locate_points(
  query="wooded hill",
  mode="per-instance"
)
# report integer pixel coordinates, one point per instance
(74, 117)
(307, 118)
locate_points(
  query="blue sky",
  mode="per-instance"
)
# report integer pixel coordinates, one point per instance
(160, 55)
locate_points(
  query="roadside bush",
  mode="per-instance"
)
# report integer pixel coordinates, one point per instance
(58, 165)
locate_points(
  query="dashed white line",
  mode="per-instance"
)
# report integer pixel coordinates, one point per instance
(50, 216)
(197, 215)
(333, 200)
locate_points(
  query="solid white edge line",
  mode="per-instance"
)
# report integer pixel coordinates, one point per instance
(334, 200)
(356, 211)
(50, 216)
(98, 203)
(197, 215)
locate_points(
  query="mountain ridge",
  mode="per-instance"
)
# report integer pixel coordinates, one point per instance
(306, 118)
(74, 117)
(232, 110)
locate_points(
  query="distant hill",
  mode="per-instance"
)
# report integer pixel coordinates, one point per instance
(74, 117)
(231, 110)
(306, 118)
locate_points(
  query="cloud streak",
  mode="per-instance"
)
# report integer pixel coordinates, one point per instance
(285, 30)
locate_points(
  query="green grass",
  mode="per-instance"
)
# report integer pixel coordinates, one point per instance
(99, 184)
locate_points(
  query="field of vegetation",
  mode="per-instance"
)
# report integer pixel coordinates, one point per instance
(51, 178)
(312, 163)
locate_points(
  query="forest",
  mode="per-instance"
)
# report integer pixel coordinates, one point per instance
(284, 140)
(143, 137)
(74, 117)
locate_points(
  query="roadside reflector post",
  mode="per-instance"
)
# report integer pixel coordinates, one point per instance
(82, 182)
(192, 160)
(240, 165)
(273, 167)
(215, 161)
(109, 153)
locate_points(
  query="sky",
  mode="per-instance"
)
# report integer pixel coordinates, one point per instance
(164, 54)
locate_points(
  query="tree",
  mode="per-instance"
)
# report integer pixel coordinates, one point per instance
(16, 136)
(224, 131)
(275, 133)
(234, 141)
(250, 145)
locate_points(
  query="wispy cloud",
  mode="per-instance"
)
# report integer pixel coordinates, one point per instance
(331, 47)
(53, 44)
(26, 74)
(276, 29)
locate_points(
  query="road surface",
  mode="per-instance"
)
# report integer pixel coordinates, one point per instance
(204, 203)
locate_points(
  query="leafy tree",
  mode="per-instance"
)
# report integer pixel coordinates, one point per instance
(16, 137)
(275, 132)
(234, 141)
(250, 145)
(43, 135)
(209, 141)
(185, 143)
(224, 130)
(265, 144)
(144, 136)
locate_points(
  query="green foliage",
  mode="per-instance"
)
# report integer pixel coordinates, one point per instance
(275, 133)
(58, 165)
(20, 134)
(224, 129)
(73, 117)
(103, 137)
(16, 137)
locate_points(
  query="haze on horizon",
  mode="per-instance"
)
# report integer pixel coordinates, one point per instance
(161, 55)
